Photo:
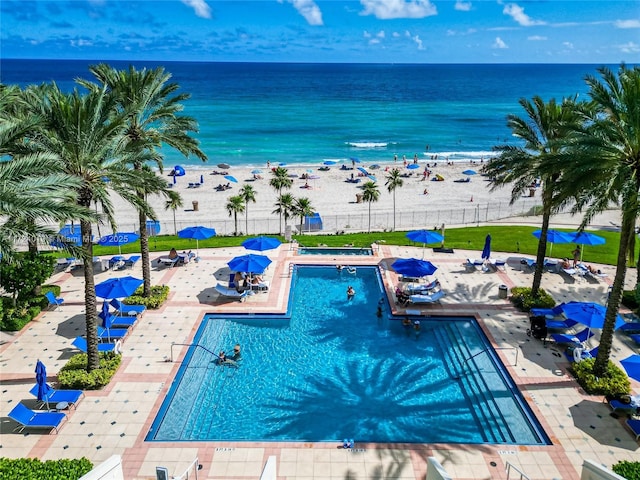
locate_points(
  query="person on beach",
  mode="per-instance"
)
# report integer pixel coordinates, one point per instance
(350, 293)
(395, 158)
(576, 256)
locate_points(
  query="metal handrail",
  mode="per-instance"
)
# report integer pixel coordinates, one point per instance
(190, 345)
(185, 475)
(511, 466)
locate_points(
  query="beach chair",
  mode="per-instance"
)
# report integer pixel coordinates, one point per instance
(111, 334)
(635, 337)
(55, 397)
(116, 262)
(131, 261)
(634, 426)
(432, 298)
(471, 265)
(231, 292)
(27, 418)
(168, 262)
(572, 356)
(124, 310)
(569, 339)
(53, 300)
(117, 321)
(630, 328)
(81, 344)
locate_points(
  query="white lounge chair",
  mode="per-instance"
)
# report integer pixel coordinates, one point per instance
(231, 292)
(432, 298)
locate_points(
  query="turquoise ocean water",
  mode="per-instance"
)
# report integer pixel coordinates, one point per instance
(309, 113)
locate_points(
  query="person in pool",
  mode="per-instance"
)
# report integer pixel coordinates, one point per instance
(222, 357)
(350, 292)
(236, 352)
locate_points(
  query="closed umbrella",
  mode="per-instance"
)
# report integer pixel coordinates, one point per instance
(41, 380)
(118, 287)
(197, 233)
(413, 267)
(118, 239)
(586, 238)
(424, 237)
(632, 366)
(257, 171)
(261, 243)
(201, 179)
(249, 263)
(486, 251)
(555, 236)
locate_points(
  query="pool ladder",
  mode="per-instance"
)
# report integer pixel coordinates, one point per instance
(190, 345)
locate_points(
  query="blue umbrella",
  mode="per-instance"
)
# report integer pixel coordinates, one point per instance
(585, 238)
(412, 267)
(118, 239)
(486, 251)
(329, 162)
(249, 263)
(231, 178)
(197, 233)
(372, 178)
(355, 159)
(632, 366)
(413, 166)
(256, 171)
(424, 237)
(178, 171)
(363, 170)
(41, 380)
(107, 318)
(65, 238)
(282, 164)
(555, 236)
(261, 243)
(469, 172)
(118, 287)
(589, 314)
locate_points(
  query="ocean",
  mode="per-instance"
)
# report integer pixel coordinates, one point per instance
(251, 113)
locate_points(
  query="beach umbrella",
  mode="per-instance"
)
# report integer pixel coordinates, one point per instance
(469, 172)
(486, 251)
(363, 170)
(329, 162)
(231, 178)
(555, 236)
(413, 267)
(118, 239)
(586, 238)
(261, 243)
(197, 233)
(282, 164)
(424, 237)
(589, 314)
(178, 171)
(413, 166)
(118, 287)
(249, 263)
(372, 178)
(41, 380)
(257, 171)
(224, 165)
(355, 159)
(67, 237)
(632, 366)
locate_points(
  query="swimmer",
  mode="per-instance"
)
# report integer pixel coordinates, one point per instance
(379, 312)
(339, 267)
(350, 292)
(416, 328)
(222, 357)
(236, 352)
(406, 323)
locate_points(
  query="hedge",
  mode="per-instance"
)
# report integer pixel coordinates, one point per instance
(34, 469)
(74, 375)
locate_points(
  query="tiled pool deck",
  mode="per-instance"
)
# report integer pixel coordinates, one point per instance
(116, 420)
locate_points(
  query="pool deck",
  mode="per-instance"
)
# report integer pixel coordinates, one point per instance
(116, 420)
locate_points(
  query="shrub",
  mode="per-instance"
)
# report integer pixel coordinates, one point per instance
(614, 383)
(23, 277)
(159, 295)
(15, 318)
(628, 470)
(74, 374)
(34, 469)
(522, 299)
(629, 299)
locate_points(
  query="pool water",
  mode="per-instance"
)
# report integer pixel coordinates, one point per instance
(334, 251)
(336, 370)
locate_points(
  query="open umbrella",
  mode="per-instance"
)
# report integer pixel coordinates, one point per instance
(224, 165)
(118, 287)
(67, 236)
(41, 380)
(413, 267)
(231, 178)
(363, 170)
(486, 251)
(632, 366)
(355, 159)
(372, 178)
(257, 171)
(249, 263)
(197, 233)
(261, 243)
(469, 172)
(413, 166)
(589, 314)
(586, 238)
(555, 236)
(118, 239)
(329, 162)
(424, 237)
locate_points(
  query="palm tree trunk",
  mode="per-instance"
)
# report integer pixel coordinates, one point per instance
(246, 219)
(91, 317)
(235, 223)
(615, 296)
(542, 244)
(394, 209)
(175, 228)
(369, 229)
(144, 253)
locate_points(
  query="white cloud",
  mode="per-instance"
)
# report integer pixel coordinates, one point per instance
(499, 43)
(517, 13)
(568, 45)
(200, 7)
(380, 34)
(389, 9)
(627, 23)
(629, 47)
(462, 6)
(395, 35)
(309, 10)
(366, 34)
(80, 43)
(536, 38)
(414, 38)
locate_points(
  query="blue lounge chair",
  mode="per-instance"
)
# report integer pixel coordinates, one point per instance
(590, 354)
(550, 313)
(127, 310)
(636, 338)
(27, 418)
(569, 339)
(54, 396)
(634, 426)
(119, 322)
(631, 327)
(131, 261)
(116, 262)
(560, 324)
(630, 408)
(53, 300)
(81, 344)
(111, 334)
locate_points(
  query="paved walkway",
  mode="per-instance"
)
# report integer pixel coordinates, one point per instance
(116, 420)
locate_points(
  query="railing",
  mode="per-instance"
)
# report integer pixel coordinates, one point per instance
(195, 466)
(190, 345)
(513, 467)
(515, 364)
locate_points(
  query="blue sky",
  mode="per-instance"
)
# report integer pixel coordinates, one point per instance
(400, 31)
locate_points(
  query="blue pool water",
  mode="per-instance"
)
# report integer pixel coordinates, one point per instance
(334, 251)
(335, 370)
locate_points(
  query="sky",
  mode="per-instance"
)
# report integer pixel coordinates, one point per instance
(364, 31)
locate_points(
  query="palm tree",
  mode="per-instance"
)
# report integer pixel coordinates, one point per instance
(394, 180)
(87, 133)
(235, 205)
(284, 207)
(173, 203)
(153, 120)
(279, 182)
(302, 207)
(607, 154)
(370, 193)
(248, 194)
(543, 131)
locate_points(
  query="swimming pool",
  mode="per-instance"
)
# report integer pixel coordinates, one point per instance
(335, 370)
(334, 251)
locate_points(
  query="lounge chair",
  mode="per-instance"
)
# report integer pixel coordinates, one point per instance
(53, 300)
(424, 289)
(168, 262)
(27, 418)
(432, 298)
(571, 356)
(560, 324)
(118, 321)
(231, 292)
(498, 263)
(81, 344)
(629, 407)
(127, 310)
(53, 396)
(111, 334)
(131, 261)
(631, 327)
(528, 264)
(569, 339)
(116, 262)
(636, 338)
(552, 266)
(634, 426)
(549, 313)
(471, 265)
